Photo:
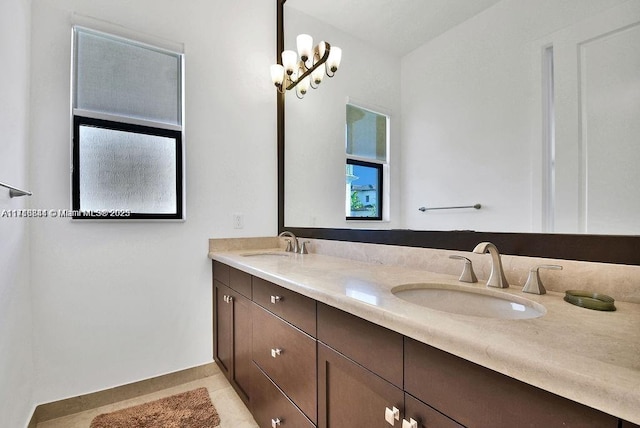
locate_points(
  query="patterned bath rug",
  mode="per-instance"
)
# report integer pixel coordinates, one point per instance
(191, 409)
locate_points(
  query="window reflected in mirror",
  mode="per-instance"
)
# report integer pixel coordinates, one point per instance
(366, 149)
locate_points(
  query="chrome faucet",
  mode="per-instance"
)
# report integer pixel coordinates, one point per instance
(290, 248)
(496, 278)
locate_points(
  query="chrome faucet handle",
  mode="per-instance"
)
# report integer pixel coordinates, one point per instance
(534, 283)
(467, 272)
(288, 249)
(303, 247)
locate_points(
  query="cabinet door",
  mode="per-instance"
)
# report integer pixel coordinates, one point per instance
(351, 396)
(222, 328)
(426, 416)
(241, 344)
(232, 337)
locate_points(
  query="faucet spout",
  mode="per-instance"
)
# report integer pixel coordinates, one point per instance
(496, 278)
(295, 240)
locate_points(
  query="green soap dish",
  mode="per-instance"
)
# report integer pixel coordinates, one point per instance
(586, 299)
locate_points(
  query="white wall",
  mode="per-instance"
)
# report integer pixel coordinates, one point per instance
(119, 302)
(468, 108)
(16, 357)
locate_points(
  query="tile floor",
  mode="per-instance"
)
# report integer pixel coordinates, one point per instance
(232, 411)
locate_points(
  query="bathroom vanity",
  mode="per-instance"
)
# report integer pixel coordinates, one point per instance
(318, 340)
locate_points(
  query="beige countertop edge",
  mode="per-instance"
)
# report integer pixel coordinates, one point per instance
(533, 351)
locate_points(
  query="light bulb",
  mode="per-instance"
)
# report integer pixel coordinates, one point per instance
(305, 46)
(318, 74)
(277, 74)
(321, 48)
(289, 60)
(303, 86)
(333, 62)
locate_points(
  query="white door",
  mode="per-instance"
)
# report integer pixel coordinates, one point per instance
(596, 112)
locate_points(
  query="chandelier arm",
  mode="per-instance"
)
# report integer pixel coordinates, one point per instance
(310, 70)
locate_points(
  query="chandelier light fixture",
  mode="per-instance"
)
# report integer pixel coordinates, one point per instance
(309, 70)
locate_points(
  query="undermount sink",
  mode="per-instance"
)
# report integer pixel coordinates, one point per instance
(466, 300)
(267, 254)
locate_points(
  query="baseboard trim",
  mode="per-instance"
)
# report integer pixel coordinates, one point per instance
(69, 406)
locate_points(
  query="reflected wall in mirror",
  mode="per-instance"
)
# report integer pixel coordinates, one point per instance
(528, 108)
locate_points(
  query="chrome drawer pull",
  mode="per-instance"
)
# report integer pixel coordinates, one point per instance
(227, 299)
(411, 423)
(275, 352)
(391, 415)
(275, 299)
(275, 423)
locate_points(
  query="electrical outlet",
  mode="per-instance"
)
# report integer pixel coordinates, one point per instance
(238, 221)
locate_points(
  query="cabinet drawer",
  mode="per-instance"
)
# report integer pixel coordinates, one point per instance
(221, 272)
(240, 281)
(288, 356)
(479, 397)
(426, 416)
(376, 348)
(268, 403)
(295, 308)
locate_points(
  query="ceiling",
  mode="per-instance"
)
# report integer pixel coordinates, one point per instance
(397, 26)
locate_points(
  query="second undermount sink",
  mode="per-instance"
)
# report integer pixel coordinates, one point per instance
(466, 300)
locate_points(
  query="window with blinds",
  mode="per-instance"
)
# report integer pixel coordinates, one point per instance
(367, 141)
(127, 129)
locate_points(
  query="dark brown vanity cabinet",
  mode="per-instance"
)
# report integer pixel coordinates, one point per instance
(296, 363)
(232, 326)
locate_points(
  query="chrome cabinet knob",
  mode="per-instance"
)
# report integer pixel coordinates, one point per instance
(275, 299)
(391, 415)
(275, 352)
(275, 423)
(411, 423)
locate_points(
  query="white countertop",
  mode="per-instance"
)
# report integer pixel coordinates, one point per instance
(591, 357)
